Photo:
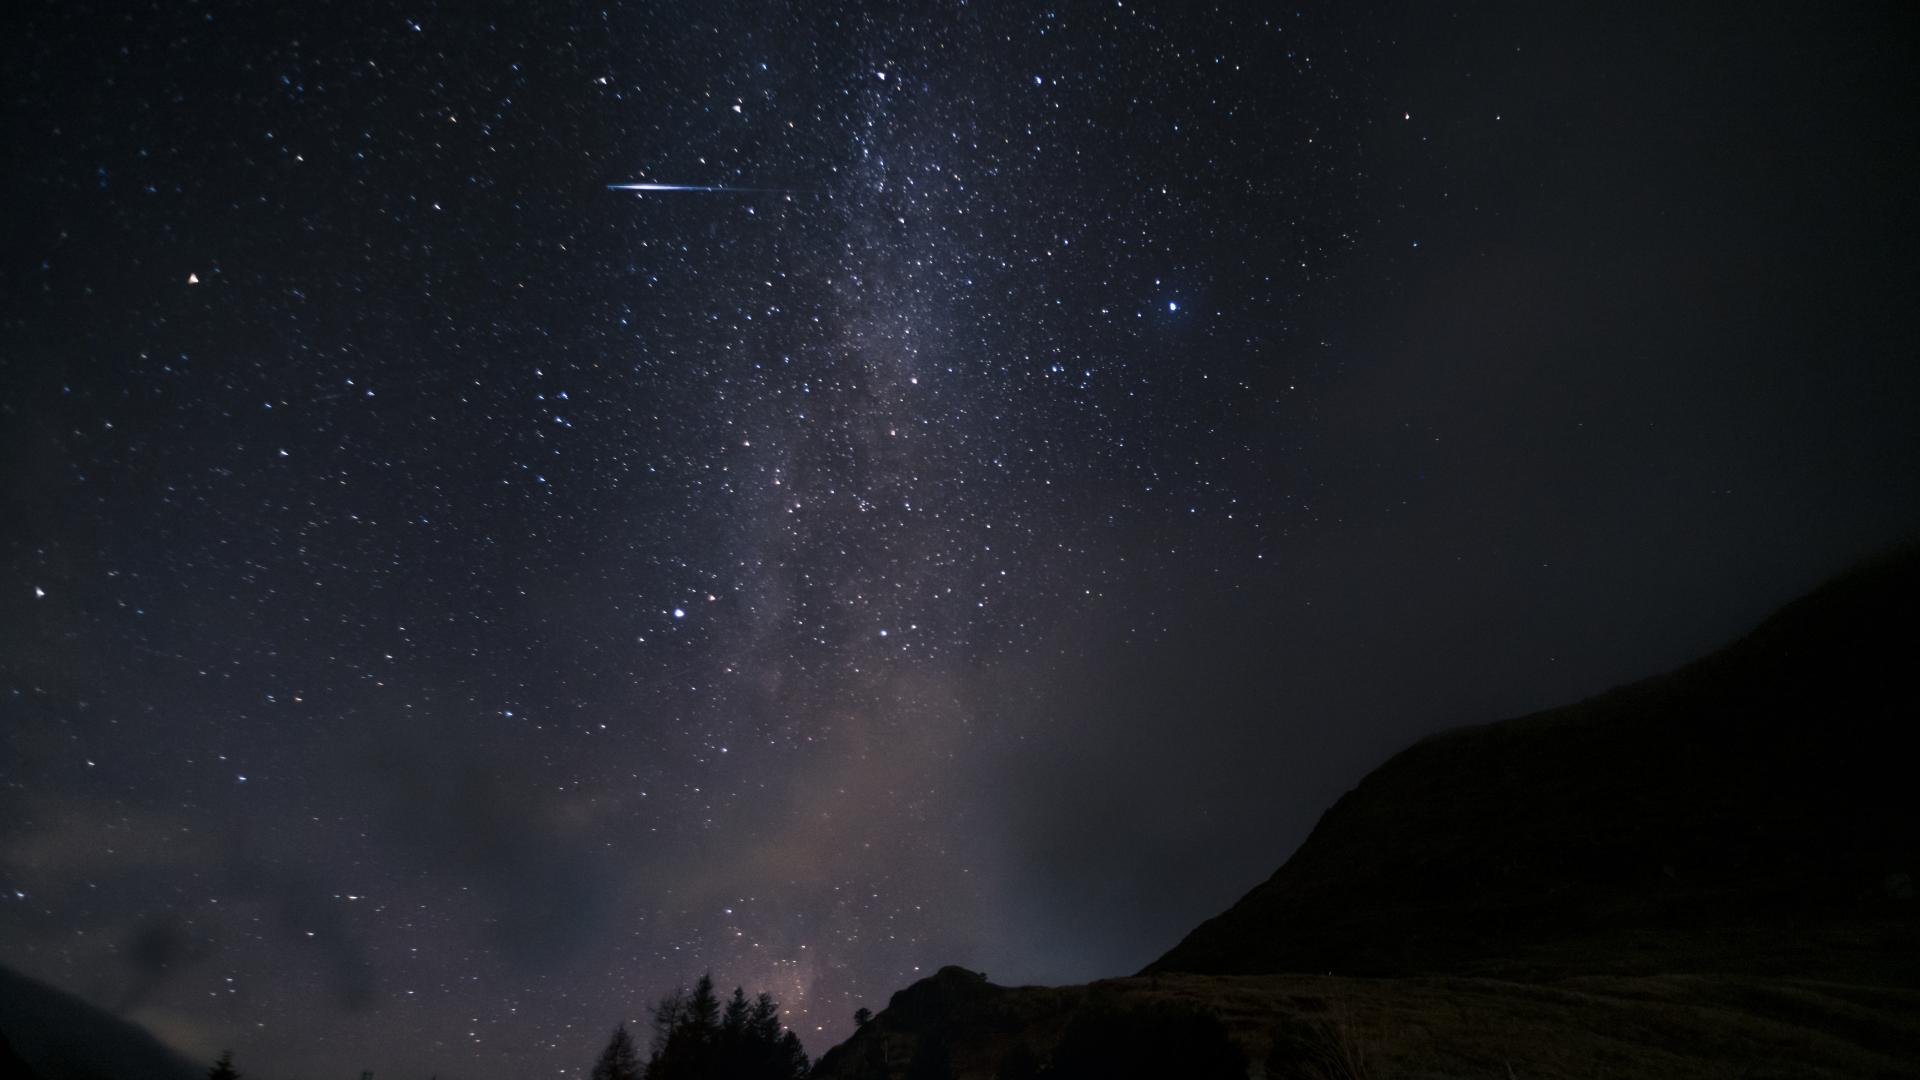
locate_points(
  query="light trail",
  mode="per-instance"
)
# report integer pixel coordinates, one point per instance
(696, 187)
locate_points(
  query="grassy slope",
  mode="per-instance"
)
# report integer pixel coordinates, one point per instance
(1455, 1026)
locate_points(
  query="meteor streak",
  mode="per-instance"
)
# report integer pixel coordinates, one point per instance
(694, 187)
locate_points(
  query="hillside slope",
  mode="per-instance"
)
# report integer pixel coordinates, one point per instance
(1749, 813)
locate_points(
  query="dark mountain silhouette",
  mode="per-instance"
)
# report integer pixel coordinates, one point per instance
(1751, 812)
(53, 1035)
(1708, 873)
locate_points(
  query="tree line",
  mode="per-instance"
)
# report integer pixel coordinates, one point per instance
(696, 1037)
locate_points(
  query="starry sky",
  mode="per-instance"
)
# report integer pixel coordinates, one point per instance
(447, 601)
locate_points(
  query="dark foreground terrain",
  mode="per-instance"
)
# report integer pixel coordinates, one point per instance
(1421, 1026)
(1709, 873)
(48, 1034)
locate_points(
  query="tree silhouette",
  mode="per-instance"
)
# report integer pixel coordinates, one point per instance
(703, 1008)
(861, 1016)
(788, 1061)
(223, 1069)
(763, 1024)
(695, 1037)
(619, 1061)
(733, 1020)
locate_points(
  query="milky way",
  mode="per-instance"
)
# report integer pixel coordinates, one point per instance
(974, 489)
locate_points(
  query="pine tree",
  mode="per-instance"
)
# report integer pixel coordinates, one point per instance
(666, 1017)
(223, 1069)
(763, 1024)
(861, 1016)
(703, 1009)
(790, 1061)
(619, 1061)
(669, 1054)
(733, 1019)
(734, 1054)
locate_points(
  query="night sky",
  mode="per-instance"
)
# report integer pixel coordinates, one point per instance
(446, 602)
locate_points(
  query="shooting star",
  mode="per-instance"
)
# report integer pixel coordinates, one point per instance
(697, 187)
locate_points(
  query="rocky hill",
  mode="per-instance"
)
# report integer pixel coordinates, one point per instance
(1709, 873)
